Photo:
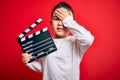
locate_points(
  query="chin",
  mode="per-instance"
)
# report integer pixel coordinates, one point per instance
(60, 36)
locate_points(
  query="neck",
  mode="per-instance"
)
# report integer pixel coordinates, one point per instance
(60, 37)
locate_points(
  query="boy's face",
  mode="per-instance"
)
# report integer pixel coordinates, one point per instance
(56, 22)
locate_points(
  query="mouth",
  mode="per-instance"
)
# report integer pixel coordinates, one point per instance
(60, 29)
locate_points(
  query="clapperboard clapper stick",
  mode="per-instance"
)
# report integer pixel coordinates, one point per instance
(38, 44)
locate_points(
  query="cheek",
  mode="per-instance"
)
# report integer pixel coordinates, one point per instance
(67, 31)
(54, 24)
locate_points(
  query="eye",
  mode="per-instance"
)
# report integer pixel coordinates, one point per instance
(55, 18)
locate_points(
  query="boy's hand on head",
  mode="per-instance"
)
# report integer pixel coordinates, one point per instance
(62, 13)
(26, 57)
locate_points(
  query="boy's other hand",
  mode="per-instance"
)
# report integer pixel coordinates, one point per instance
(26, 58)
(62, 13)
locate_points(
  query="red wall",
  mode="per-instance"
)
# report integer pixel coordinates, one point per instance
(101, 17)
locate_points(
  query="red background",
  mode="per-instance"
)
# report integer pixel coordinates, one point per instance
(101, 17)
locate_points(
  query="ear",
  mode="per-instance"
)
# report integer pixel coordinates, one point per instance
(70, 13)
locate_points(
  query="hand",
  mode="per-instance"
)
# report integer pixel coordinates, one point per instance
(62, 13)
(26, 57)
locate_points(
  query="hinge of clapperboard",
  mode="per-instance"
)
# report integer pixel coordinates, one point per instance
(21, 36)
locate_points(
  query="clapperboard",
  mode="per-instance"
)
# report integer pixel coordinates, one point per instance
(38, 44)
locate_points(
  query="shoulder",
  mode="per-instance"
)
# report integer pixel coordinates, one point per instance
(72, 38)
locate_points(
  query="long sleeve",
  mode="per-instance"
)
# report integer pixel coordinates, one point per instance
(35, 66)
(83, 37)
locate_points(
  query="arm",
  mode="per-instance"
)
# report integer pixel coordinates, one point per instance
(36, 66)
(83, 37)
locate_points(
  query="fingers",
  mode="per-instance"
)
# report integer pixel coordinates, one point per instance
(26, 57)
(59, 15)
(62, 13)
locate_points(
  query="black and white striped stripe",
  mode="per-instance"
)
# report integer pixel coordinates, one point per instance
(30, 28)
(34, 34)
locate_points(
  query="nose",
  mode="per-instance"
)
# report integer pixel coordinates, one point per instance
(60, 23)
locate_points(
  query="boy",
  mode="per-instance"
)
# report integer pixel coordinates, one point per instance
(63, 64)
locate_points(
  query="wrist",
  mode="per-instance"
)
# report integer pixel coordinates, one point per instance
(66, 21)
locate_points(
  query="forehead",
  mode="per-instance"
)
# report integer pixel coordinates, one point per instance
(62, 8)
